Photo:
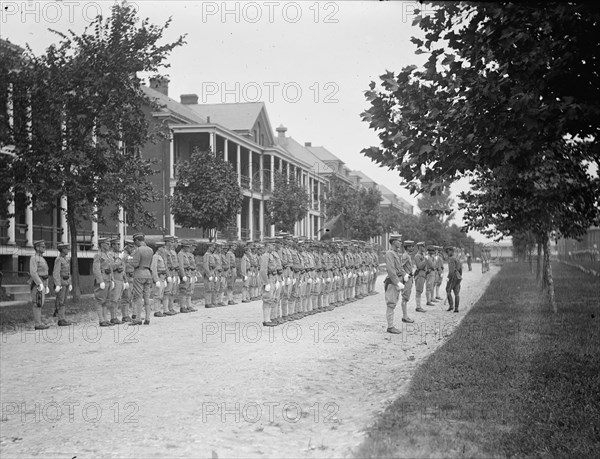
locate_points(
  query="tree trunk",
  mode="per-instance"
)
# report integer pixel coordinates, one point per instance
(74, 258)
(548, 281)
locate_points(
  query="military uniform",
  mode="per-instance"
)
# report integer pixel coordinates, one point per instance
(127, 296)
(454, 279)
(439, 272)
(184, 274)
(142, 278)
(118, 280)
(398, 280)
(231, 275)
(159, 277)
(211, 279)
(245, 268)
(62, 282)
(268, 279)
(430, 272)
(420, 274)
(102, 269)
(38, 272)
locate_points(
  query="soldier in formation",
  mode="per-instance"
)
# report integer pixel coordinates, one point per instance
(62, 282)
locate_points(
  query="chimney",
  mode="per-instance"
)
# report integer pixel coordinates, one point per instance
(308, 144)
(281, 130)
(208, 120)
(160, 84)
(189, 99)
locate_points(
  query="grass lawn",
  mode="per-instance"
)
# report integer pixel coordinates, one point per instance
(513, 380)
(82, 311)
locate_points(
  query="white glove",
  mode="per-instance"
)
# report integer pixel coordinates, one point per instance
(125, 285)
(185, 279)
(102, 285)
(47, 290)
(400, 286)
(210, 279)
(112, 284)
(318, 281)
(40, 287)
(158, 284)
(294, 282)
(71, 287)
(268, 288)
(195, 278)
(309, 280)
(329, 279)
(277, 285)
(288, 281)
(169, 279)
(245, 278)
(405, 278)
(57, 289)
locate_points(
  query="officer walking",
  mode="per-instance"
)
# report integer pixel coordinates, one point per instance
(38, 271)
(62, 282)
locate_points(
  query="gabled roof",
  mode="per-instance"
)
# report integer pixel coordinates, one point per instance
(172, 106)
(235, 116)
(302, 153)
(324, 154)
(364, 178)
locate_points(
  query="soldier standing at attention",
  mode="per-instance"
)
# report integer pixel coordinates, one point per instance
(118, 268)
(268, 278)
(188, 251)
(245, 273)
(183, 271)
(102, 270)
(232, 275)
(454, 279)
(222, 283)
(62, 282)
(193, 271)
(167, 294)
(210, 276)
(420, 275)
(142, 278)
(159, 277)
(406, 262)
(394, 283)
(38, 271)
(430, 271)
(127, 297)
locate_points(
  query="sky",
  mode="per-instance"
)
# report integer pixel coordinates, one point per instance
(310, 62)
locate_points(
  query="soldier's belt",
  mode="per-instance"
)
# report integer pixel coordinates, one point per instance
(273, 273)
(44, 277)
(66, 277)
(162, 273)
(107, 271)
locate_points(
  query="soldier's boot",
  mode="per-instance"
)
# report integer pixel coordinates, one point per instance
(456, 301)
(113, 313)
(284, 310)
(37, 316)
(419, 308)
(189, 304)
(450, 303)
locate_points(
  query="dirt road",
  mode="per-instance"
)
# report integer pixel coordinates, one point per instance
(214, 382)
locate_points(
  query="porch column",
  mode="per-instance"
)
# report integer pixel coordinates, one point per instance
(239, 164)
(251, 218)
(261, 218)
(95, 230)
(64, 237)
(11, 223)
(250, 175)
(29, 223)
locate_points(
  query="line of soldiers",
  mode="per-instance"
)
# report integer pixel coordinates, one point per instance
(418, 265)
(300, 277)
(295, 277)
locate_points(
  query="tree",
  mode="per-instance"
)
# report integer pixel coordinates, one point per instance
(341, 199)
(508, 97)
(207, 194)
(366, 223)
(87, 110)
(288, 204)
(438, 203)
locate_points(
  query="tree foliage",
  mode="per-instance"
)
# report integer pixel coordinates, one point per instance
(207, 194)
(438, 203)
(288, 204)
(360, 209)
(509, 98)
(87, 120)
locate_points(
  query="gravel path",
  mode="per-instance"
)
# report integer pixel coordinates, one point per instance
(214, 383)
